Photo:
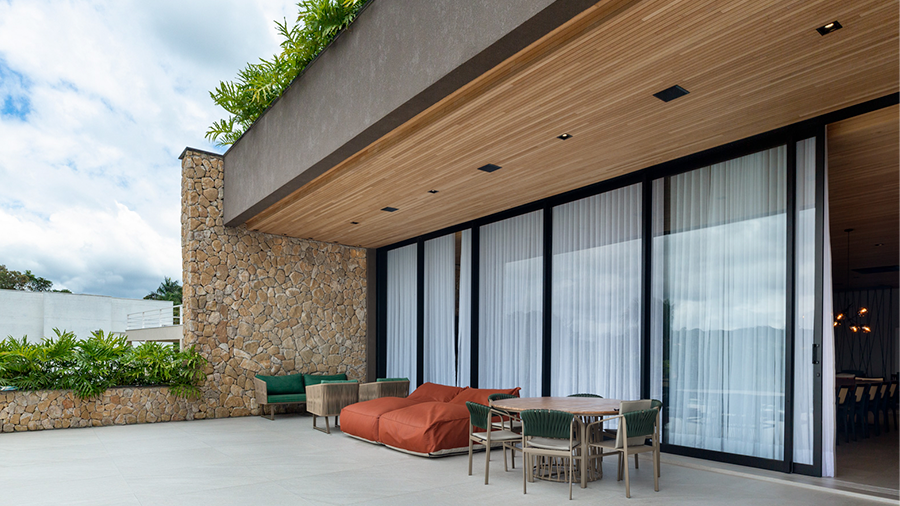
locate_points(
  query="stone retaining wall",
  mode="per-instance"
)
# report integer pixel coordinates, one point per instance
(61, 409)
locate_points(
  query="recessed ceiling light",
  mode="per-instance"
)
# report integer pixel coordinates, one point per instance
(489, 167)
(389, 209)
(432, 191)
(564, 136)
(354, 223)
(878, 245)
(669, 94)
(830, 27)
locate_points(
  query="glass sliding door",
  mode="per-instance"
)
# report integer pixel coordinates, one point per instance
(510, 289)
(439, 343)
(401, 350)
(719, 296)
(596, 295)
(804, 301)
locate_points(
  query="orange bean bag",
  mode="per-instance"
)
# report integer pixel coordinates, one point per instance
(432, 421)
(360, 420)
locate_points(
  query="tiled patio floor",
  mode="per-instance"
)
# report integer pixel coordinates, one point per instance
(249, 461)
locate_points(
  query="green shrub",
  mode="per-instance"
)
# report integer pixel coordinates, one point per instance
(92, 366)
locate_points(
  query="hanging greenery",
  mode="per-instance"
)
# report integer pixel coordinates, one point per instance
(259, 84)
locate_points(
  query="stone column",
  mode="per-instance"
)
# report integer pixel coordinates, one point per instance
(257, 303)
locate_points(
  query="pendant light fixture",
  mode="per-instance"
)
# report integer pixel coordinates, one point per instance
(851, 317)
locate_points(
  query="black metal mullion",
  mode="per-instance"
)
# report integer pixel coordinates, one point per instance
(381, 313)
(420, 312)
(646, 282)
(546, 359)
(473, 348)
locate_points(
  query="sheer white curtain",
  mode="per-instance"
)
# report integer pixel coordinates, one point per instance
(829, 420)
(722, 238)
(440, 310)
(401, 313)
(464, 330)
(510, 304)
(805, 301)
(596, 323)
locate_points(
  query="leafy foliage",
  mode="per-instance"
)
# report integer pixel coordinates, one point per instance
(15, 280)
(92, 366)
(169, 290)
(259, 84)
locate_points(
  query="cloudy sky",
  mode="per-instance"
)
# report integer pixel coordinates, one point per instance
(97, 100)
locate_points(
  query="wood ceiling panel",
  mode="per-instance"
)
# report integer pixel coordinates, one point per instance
(864, 194)
(749, 66)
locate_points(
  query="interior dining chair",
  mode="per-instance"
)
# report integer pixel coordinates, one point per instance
(871, 405)
(875, 405)
(631, 438)
(480, 418)
(548, 433)
(844, 411)
(858, 415)
(890, 405)
(586, 395)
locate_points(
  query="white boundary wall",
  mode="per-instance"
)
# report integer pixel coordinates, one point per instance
(36, 314)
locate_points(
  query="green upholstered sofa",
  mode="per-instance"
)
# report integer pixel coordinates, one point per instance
(286, 389)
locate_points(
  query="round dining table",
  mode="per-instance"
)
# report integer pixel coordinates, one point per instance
(581, 407)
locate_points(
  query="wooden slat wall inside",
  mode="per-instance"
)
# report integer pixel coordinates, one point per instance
(749, 66)
(864, 194)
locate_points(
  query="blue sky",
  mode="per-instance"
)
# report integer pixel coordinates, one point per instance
(97, 100)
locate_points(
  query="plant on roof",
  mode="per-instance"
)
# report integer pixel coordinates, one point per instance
(259, 84)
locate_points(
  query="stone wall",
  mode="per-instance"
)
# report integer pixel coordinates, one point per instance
(262, 303)
(61, 409)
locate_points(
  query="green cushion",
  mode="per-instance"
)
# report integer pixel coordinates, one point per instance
(339, 381)
(286, 398)
(315, 379)
(392, 379)
(283, 385)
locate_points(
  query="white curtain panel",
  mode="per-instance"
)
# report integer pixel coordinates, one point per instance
(439, 344)
(723, 247)
(464, 330)
(401, 314)
(511, 304)
(829, 417)
(805, 301)
(596, 323)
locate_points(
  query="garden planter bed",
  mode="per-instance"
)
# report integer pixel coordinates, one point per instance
(24, 410)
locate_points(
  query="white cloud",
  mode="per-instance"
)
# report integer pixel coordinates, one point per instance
(97, 99)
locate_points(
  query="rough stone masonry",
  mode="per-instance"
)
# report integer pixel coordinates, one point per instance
(253, 303)
(262, 303)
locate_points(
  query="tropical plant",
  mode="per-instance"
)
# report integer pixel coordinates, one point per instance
(169, 290)
(259, 84)
(92, 366)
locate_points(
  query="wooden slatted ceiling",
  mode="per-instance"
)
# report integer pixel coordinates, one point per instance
(864, 194)
(749, 66)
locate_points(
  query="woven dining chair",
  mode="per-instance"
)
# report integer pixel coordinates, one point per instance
(548, 433)
(480, 417)
(507, 419)
(631, 438)
(586, 395)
